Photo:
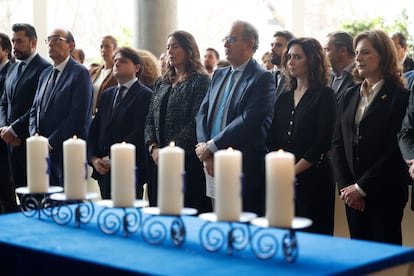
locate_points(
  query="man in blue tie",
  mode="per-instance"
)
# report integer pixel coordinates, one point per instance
(19, 90)
(237, 112)
(62, 105)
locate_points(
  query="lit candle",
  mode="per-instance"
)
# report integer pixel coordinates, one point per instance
(123, 168)
(37, 153)
(227, 183)
(280, 174)
(170, 179)
(74, 168)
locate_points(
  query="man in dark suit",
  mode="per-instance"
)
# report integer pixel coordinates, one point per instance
(340, 52)
(19, 90)
(278, 48)
(400, 42)
(62, 105)
(120, 105)
(247, 115)
(7, 195)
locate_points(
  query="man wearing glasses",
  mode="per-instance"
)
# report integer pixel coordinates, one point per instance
(62, 105)
(236, 112)
(19, 90)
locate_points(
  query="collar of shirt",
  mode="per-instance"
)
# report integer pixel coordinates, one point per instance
(347, 70)
(62, 65)
(371, 92)
(128, 84)
(241, 67)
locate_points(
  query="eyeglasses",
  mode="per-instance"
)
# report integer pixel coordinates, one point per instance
(230, 39)
(54, 39)
(277, 45)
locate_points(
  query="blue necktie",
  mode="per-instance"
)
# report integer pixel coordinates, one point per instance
(216, 127)
(49, 88)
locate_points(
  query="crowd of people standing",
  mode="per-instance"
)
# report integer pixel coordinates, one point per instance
(342, 107)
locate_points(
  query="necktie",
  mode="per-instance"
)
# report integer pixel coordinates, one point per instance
(19, 72)
(118, 97)
(49, 87)
(277, 78)
(216, 128)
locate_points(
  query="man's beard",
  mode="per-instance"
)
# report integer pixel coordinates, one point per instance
(276, 60)
(208, 67)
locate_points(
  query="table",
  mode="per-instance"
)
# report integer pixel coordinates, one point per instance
(31, 246)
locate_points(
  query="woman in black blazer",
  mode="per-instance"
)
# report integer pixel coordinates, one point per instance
(303, 123)
(371, 174)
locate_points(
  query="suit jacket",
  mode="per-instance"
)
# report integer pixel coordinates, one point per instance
(178, 124)
(248, 119)
(109, 81)
(124, 123)
(369, 155)
(67, 113)
(281, 87)
(345, 85)
(3, 74)
(15, 104)
(408, 64)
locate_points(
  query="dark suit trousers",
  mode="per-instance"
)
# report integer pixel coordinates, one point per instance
(104, 182)
(7, 194)
(378, 222)
(18, 165)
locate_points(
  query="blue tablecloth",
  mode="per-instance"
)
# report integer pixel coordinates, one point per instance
(42, 247)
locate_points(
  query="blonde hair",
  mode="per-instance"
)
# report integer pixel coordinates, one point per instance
(151, 70)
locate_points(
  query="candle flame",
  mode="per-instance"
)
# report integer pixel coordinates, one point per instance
(172, 144)
(123, 143)
(37, 134)
(230, 149)
(280, 151)
(75, 137)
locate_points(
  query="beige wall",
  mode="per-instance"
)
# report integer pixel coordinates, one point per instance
(341, 226)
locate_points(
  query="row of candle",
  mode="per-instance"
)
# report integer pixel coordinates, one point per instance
(171, 174)
(75, 169)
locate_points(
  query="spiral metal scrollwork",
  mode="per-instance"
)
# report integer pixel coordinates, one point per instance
(153, 231)
(63, 213)
(290, 246)
(213, 237)
(264, 244)
(177, 231)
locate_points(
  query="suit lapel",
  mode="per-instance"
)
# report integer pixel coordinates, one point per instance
(379, 100)
(240, 90)
(218, 84)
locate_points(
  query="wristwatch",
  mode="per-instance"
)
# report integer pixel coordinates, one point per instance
(151, 148)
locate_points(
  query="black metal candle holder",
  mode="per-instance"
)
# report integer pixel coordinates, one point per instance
(36, 203)
(154, 230)
(110, 220)
(264, 243)
(237, 237)
(63, 210)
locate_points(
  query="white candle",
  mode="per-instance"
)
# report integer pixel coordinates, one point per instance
(74, 168)
(37, 153)
(170, 180)
(227, 182)
(280, 174)
(123, 167)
